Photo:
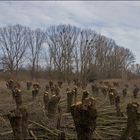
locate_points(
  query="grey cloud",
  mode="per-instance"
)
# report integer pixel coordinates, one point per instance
(118, 20)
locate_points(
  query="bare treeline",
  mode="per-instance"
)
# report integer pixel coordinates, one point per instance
(67, 51)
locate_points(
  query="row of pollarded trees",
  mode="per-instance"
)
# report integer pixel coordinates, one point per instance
(67, 52)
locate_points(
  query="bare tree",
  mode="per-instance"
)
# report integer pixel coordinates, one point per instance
(36, 39)
(85, 52)
(127, 59)
(13, 45)
(69, 52)
(134, 70)
(61, 41)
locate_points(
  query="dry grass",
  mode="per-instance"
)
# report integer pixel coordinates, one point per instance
(109, 126)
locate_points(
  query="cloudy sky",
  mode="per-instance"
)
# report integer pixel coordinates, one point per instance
(119, 20)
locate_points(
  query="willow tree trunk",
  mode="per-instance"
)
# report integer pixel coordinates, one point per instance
(16, 122)
(84, 120)
(46, 101)
(19, 123)
(69, 100)
(52, 106)
(131, 130)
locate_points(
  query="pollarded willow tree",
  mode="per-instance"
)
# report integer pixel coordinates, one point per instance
(13, 45)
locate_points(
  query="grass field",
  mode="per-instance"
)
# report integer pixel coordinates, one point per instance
(109, 126)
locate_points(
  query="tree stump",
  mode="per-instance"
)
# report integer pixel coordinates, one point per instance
(52, 90)
(111, 98)
(24, 124)
(35, 90)
(135, 91)
(112, 95)
(60, 84)
(56, 89)
(36, 86)
(104, 90)
(59, 117)
(117, 105)
(16, 122)
(35, 93)
(75, 92)
(17, 97)
(116, 84)
(95, 89)
(51, 84)
(68, 82)
(69, 100)
(47, 88)
(85, 95)
(106, 83)
(29, 85)
(46, 101)
(131, 129)
(84, 85)
(17, 84)
(124, 92)
(52, 106)
(84, 116)
(19, 123)
(10, 84)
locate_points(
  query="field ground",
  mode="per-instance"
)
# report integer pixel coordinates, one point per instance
(109, 126)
